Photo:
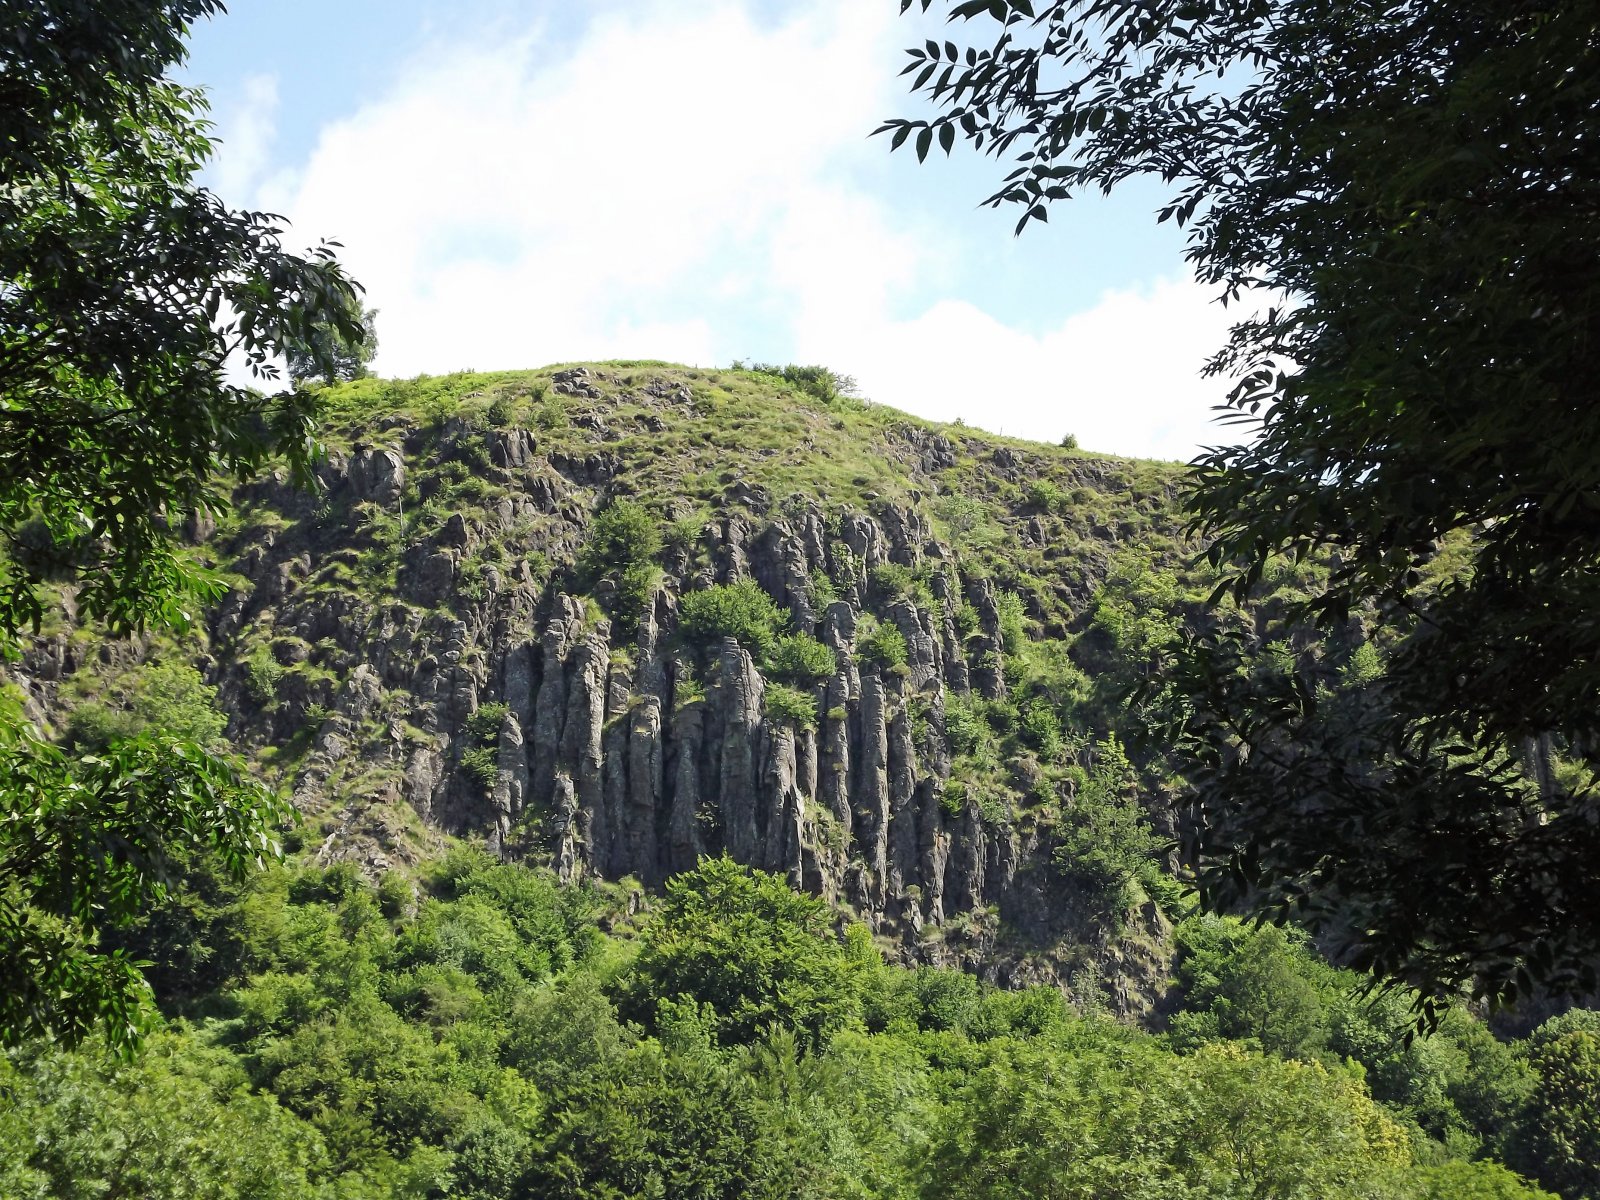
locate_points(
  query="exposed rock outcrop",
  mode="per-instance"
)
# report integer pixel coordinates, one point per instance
(621, 750)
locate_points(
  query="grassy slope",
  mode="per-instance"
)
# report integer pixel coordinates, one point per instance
(841, 452)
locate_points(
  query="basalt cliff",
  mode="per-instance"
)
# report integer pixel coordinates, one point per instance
(432, 644)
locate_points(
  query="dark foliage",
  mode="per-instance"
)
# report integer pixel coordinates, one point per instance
(124, 288)
(1409, 192)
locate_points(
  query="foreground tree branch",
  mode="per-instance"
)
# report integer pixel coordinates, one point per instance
(1411, 192)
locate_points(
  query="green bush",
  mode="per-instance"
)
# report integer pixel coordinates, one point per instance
(482, 763)
(623, 543)
(883, 645)
(818, 382)
(1013, 633)
(1041, 727)
(1365, 666)
(821, 590)
(953, 797)
(800, 659)
(1049, 673)
(549, 920)
(472, 935)
(172, 698)
(1105, 839)
(969, 520)
(337, 882)
(93, 726)
(902, 583)
(964, 723)
(1047, 496)
(501, 411)
(622, 535)
(395, 895)
(966, 619)
(790, 706)
(165, 698)
(740, 610)
(483, 726)
(636, 588)
(1138, 608)
(683, 533)
(688, 691)
(1562, 1133)
(181, 1120)
(549, 412)
(262, 676)
(1253, 984)
(759, 954)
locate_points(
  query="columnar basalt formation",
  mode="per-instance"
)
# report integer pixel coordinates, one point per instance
(622, 751)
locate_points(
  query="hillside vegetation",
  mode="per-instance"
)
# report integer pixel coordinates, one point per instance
(613, 618)
(716, 785)
(485, 1039)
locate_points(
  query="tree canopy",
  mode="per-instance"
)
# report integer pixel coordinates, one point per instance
(328, 353)
(1405, 194)
(125, 288)
(424, 1049)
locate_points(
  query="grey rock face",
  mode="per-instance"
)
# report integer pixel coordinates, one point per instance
(904, 864)
(564, 830)
(576, 382)
(924, 654)
(872, 785)
(833, 757)
(640, 756)
(685, 843)
(737, 699)
(550, 709)
(784, 570)
(511, 449)
(944, 622)
(361, 693)
(581, 752)
(424, 774)
(985, 650)
(378, 475)
(783, 807)
(511, 781)
(646, 777)
(729, 551)
(431, 575)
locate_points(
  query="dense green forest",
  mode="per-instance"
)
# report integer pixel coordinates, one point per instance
(491, 1034)
(627, 780)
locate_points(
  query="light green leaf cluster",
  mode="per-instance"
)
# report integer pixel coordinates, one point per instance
(485, 1040)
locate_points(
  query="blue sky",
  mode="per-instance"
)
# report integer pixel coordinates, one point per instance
(525, 183)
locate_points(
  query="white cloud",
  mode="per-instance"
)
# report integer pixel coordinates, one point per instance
(246, 129)
(1123, 376)
(513, 204)
(681, 183)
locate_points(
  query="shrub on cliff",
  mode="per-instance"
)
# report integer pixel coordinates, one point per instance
(623, 543)
(740, 610)
(170, 698)
(883, 645)
(790, 706)
(801, 660)
(1105, 839)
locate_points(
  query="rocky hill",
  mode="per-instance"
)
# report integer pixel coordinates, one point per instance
(615, 617)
